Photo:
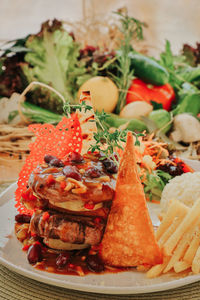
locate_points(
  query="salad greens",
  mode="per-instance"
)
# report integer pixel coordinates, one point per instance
(155, 183)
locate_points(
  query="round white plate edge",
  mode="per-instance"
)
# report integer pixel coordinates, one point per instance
(102, 289)
(39, 275)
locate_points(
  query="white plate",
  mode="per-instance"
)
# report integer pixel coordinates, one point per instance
(131, 282)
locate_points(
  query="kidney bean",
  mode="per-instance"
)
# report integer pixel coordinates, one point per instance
(72, 172)
(62, 260)
(48, 158)
(53, 161)
(34, 253)
(94, 263)
(110, 166)
(22, 218)
(93, 172)
(75, 157)
(56, 162)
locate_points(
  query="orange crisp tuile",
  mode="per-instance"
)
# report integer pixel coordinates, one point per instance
(54, 140)
(129, 236)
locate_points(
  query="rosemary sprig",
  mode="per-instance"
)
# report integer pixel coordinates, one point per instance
(105, 141)
(131, 28)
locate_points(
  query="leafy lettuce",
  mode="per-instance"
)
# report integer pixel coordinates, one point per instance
(155, 183)
(53, 60)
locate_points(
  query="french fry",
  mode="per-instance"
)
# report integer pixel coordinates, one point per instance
(175, 209)
(156, 270)
(191, 251)
(180, 249)
(181, 266)
(179, 237)
(165, 236)
(187, 222)
(196, 262)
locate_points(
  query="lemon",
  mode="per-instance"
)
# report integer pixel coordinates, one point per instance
(104, 93)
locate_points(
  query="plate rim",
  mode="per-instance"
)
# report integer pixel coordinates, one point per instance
(159, 287)
(85, 287)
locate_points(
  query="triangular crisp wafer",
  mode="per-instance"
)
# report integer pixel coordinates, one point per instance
(129, 236)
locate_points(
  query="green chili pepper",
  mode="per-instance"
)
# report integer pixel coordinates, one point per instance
(132, 125)
(148, 69)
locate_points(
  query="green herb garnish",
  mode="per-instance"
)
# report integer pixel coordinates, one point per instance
(131, 28)
(105, 141)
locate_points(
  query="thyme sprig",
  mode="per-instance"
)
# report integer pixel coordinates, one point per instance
(131, 29)
(105, 141)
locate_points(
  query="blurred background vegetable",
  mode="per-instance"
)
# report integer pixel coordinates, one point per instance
(114, 121)
(148, 69)
(139, 90)
(136, 110)
(104, 93)
(186, 128)
(162, 119)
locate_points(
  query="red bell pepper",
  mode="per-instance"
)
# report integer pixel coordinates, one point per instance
(141, 91)
(28, 195)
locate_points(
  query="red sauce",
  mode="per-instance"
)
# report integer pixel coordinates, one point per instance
(79, 263)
